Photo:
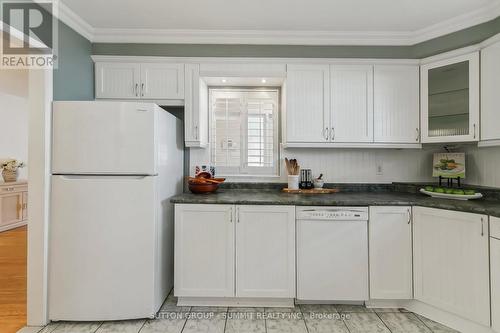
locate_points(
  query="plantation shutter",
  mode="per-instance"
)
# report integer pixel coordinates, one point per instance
(244, 138)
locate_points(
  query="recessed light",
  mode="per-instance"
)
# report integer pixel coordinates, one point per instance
(263, 81)
(224, 80)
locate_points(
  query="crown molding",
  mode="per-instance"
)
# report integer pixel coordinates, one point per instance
(255, 37)
(458, 23)
(225, 61)
(263, 37)
(74, 21)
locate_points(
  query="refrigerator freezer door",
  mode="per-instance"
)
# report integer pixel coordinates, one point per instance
(104, 138)
(102, 248)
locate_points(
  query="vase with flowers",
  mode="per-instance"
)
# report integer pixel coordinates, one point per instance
(10, 170)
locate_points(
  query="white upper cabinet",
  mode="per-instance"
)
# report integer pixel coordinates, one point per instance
(451, 262)
(162, 81)
(195, 108)
(490, 96)
(307, 103)
(351, 103)
(265, 251)
(390, 252)
(450, 99)
(117, 80)
(121, 80)
(396, 104)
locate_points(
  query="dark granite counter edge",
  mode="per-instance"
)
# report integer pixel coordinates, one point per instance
(249, 197)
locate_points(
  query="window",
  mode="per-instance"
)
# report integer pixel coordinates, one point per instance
(244, 131)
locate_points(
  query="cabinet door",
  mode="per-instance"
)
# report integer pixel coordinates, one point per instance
(307, 103)
(495, 283)
(204, 250)
(195, 108)
(351, 103)
(396, 104)
(11, 208)
(117, 80)
(265, 251)
(390, 253)
(450, 100)
(162, 81)
(490, 98)
(451, 262)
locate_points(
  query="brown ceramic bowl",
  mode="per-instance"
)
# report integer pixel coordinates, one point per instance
(203, 188)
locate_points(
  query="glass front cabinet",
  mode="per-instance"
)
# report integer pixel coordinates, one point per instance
(450, 100)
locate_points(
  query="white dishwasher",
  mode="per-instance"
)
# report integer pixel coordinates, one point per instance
(332, 253)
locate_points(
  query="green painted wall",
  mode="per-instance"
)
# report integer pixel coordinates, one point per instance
(456, 40)
(441, 44)
(74, 77)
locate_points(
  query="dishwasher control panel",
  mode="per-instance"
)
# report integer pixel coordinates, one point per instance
(337, 213)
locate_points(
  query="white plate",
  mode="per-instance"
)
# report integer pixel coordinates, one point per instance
(452, 196)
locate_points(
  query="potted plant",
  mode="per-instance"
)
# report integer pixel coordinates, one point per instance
(10, 170)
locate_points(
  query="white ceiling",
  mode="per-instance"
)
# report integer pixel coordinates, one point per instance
(316, 21)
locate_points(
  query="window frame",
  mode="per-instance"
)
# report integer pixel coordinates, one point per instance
(244, 171)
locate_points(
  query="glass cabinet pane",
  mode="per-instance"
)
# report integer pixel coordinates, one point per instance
(449, 100)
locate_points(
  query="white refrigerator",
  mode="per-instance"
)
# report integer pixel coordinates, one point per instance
(115, 166)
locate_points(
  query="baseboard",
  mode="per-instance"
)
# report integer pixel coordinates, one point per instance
(30, 329)
(387, 304)
(13, 226)
(236, 302)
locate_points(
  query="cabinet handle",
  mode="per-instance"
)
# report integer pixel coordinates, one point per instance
(9, 189)
(142, 89)
(19, 210)
(409, 215)
(237, 215)
(482, 226)
(332, 135)
(137, 90)
(418, 135)
(325, 133)
(474, 131)
(231, 219)
(196, 132)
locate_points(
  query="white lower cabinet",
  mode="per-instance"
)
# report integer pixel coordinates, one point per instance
(495, 283)
(13, 205)
(265, 251)
(390, 252)
(204, 250)
(234, 251)
(451, 262)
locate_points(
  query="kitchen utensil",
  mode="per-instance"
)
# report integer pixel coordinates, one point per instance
(306, 179)
(292, 167)
(293, 182)
(318, 183)
(200, 184)
(201, 188)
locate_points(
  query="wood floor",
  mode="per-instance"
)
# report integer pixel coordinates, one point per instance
(13, 248)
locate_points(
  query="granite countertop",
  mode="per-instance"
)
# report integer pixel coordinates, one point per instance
(358, 198)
